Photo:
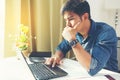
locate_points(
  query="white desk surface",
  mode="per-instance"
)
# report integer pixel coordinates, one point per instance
(14, 69)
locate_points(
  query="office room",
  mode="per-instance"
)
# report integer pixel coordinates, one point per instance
(39, 26)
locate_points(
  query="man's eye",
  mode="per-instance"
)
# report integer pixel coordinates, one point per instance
(71, 19)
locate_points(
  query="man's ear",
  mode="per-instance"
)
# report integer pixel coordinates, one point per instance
(85, 16)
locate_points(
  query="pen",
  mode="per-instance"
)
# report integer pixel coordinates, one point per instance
(109, 77)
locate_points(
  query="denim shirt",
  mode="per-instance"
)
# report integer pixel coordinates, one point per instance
(101, 44)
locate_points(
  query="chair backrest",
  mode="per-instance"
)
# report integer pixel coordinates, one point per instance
(118, 52)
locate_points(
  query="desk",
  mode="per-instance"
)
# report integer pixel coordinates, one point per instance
(14, 69)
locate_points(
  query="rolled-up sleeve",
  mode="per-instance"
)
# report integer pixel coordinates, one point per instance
(93, 64)
(64, 47)
(94, 67)
(99, 59)
(103, 48)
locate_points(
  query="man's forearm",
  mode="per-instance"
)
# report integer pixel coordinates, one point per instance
(82, 56)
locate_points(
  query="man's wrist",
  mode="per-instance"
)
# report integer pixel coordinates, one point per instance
(58, 54)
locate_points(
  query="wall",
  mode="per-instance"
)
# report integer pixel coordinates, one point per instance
(100, 13)
(12, 19)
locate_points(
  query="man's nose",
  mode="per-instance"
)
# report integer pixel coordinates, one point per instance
(68, 24)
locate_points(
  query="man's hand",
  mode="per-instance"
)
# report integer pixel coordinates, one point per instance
(55, 60)
(69, 33)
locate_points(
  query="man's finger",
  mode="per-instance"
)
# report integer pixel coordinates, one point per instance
(76, 25)
(49, 61)
(54, 62)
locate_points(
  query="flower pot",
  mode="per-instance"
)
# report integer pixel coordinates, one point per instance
(26, 53)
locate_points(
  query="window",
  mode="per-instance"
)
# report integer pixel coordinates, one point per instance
(2, 22)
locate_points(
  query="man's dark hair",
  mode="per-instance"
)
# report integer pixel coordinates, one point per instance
(77, 6)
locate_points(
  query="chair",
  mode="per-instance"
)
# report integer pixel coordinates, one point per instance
(118, 52)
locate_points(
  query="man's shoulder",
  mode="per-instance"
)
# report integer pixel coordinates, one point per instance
(103, 26)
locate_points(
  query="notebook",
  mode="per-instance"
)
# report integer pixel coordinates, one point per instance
(40, 71)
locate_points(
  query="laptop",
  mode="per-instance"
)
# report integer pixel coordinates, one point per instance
(41, 71)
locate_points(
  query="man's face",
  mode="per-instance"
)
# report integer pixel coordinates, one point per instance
(80, 24)
(71, 19)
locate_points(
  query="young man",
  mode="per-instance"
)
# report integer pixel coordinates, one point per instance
(93, 43)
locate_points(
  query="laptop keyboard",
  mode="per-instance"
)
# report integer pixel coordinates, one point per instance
(42, 72)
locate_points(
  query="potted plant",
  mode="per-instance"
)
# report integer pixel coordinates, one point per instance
(23, 40)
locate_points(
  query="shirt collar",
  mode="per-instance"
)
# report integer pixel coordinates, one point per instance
(92, 28)
(90, 33)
